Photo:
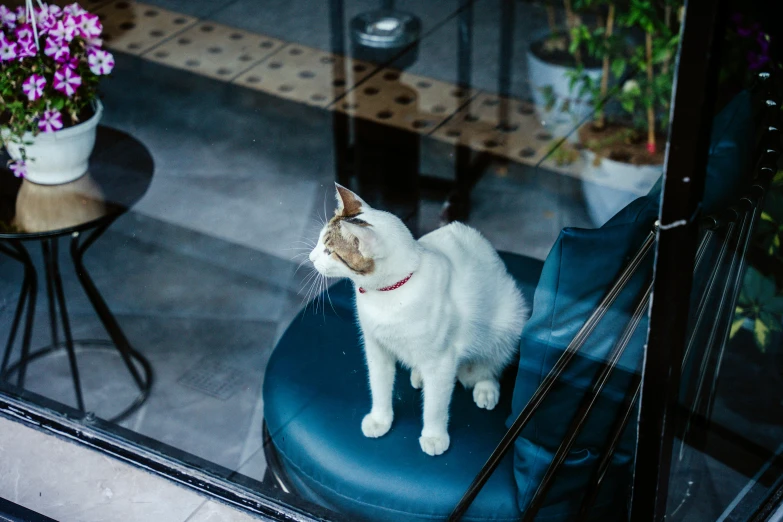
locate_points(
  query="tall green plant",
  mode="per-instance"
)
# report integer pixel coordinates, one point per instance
(645, 69)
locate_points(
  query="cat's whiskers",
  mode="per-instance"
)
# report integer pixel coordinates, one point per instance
(328, 296)
(310, 280)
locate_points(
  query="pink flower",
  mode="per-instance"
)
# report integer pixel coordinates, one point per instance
(57, 49)
(8, 50)
(93, 43)
(88, 26)
(18, 168)
(47, 17)
(24, 32)
(74, 10)
(67, 81)
(26, 49)
(33, 87)
(64, 31)
(71, 23)
(52, 10)
(72, 62)
(51, 121)
(7, 17)
(101, 62)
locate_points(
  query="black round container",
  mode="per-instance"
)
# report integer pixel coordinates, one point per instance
(380, 36)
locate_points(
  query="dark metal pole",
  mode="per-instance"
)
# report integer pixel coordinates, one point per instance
(58, 289)
(506, 59)
(47, 257)
(20, 303)
(463, 155)
(29, 275)
(104, 314)
(585, 407)
(507, 442)
(683, 186)
(340, 121)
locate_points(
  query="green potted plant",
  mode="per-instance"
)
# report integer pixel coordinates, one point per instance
(760, 305)
(623, 149)
(552, 58)
(755, 351)
(51, 62)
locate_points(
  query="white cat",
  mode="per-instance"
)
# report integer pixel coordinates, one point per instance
(444, 306)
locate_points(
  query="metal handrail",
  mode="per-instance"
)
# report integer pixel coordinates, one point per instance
(769, 156)
(551, 378)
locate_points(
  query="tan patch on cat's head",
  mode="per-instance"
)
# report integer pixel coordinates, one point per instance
(346, 249)
(348, 204)
(341, 245)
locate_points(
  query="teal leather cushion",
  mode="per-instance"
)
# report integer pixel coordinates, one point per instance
(578, 272)
(315, 395)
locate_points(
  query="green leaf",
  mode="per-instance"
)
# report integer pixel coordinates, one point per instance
(771, 322)
(766, 217)
(761, 333)
(735, 326)
(618, 67)
(754, 284)
(774, 305)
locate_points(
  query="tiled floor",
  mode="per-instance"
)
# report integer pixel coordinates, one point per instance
(202, 273)
(67, 482)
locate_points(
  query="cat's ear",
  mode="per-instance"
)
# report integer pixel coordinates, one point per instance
(368, 240)
(348, 203)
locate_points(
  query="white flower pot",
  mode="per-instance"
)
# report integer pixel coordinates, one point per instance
(57, 157)
(543, 74)
(611, 185)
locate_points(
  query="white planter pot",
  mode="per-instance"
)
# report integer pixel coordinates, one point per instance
(543, 75)
(611, 185)
(57, 157)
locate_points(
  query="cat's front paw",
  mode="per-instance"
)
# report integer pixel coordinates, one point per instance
(434, 445)
(486, 394)
(374, 426)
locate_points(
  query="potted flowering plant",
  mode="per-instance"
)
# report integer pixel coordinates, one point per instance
(51, 62)
(623, 149)
(552, 58)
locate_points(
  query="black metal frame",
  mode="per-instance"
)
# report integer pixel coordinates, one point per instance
(11, 512)
(746, 213)
(684, 178)
(149, 454)
(56, 300)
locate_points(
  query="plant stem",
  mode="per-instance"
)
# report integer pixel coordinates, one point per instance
(605, 72)
(569, 25)
(551, 18)
(667, 18)
(650, 109)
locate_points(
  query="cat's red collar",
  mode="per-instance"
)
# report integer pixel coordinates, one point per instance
(395, 286)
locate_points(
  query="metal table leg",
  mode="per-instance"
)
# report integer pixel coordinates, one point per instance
(109, 322)
(16, 250)
(56, 302)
